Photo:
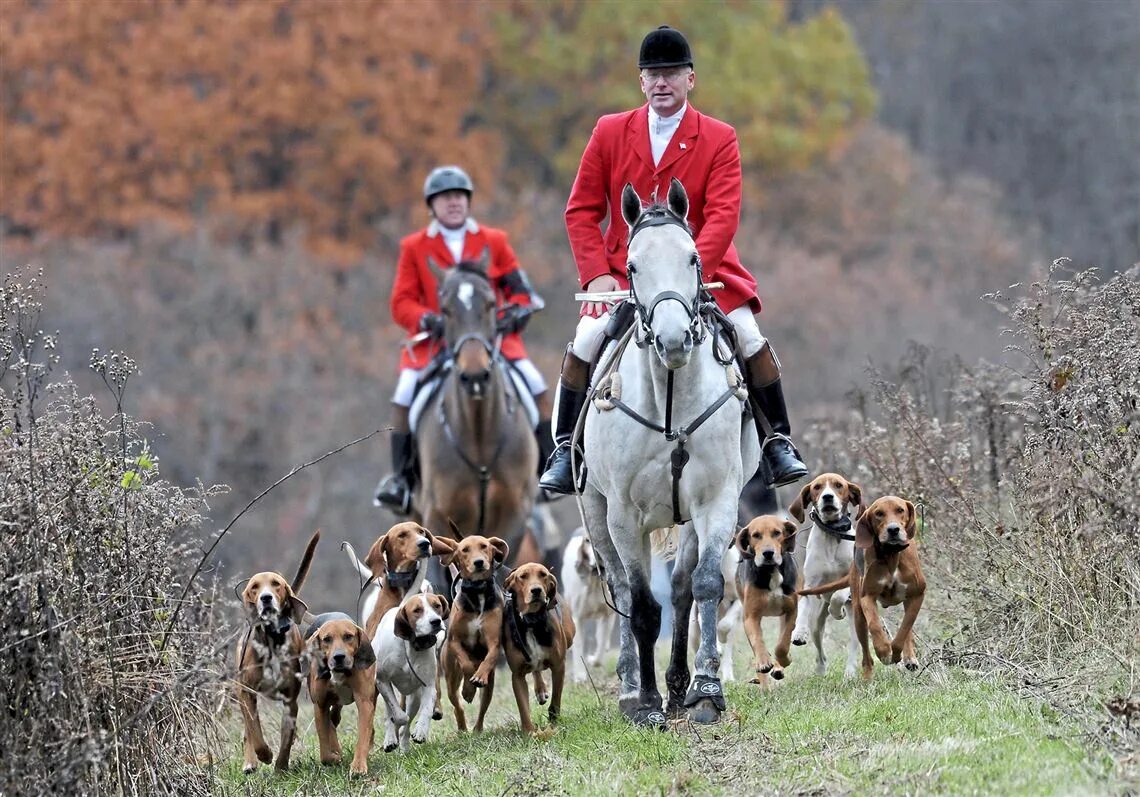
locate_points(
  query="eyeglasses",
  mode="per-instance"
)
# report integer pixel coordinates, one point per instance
(671, 75)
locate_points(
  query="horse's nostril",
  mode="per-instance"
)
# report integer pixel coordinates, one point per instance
(688, 340)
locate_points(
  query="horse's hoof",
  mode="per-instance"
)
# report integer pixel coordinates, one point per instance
(629, 705)
(704, 712)
(649, 717)
(676, 706)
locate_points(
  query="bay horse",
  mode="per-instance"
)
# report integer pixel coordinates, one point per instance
(644, 470)
(478, 454)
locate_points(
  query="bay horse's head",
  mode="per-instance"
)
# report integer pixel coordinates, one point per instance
(664, 272)
(467, 302)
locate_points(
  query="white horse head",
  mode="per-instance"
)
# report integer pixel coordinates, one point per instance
(664, 273)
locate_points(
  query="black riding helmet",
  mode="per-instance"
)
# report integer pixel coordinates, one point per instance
(664, 47)
(447, 178)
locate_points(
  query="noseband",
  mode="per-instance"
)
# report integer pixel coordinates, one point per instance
(661, 218)
(475, 385)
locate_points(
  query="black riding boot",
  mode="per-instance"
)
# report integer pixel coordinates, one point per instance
(572, 384)
(779, 457)
(545, 438)
(395, 491)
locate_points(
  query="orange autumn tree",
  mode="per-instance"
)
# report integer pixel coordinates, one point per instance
(263, 115)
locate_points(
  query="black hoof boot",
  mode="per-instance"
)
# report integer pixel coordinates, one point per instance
(705, 700)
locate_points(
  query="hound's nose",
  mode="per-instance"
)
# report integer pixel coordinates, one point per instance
(827, 499)
(535, 593)
(436, 623)
(267, 599)
(479, 564)
(769, 556)
(894, 530)
(338, 659)
(423, 545)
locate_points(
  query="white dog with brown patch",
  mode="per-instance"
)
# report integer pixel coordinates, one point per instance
(826, 501)
(582, 587)
(405, 644)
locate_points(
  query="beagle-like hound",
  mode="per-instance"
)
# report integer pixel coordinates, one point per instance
(767, 580)
(343, 672)
(582, 588)
(473, 636)
(885, 572)
(270, 658)
(406, 643)
(537, 630)
(826, 501)
(394, 568)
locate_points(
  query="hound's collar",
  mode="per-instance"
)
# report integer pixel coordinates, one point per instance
(840, 529)
(402, 581)
(423, 642)
(482, 587)
(277, 629)
(435, 228)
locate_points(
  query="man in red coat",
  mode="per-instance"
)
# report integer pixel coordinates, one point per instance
(452, 237)
(648, 147)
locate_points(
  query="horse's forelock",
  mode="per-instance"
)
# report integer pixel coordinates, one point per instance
(657, 210)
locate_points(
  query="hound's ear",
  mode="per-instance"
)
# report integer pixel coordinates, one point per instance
(502, 550)
(248, 597)
(509, 582)
(678, 200)
(551, 590)
(742, 543)
(297, 607)
(790, 530)
(376, 561)
(796, 510)
(445, 612)
(854, 494)
(364, 657)
(864, 534)
(402, 628)
(911, 518)
(312, 642)
(630, 205)
(583, 554)
(441, 546)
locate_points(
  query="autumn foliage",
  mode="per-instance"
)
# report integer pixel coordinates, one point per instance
(263, 116)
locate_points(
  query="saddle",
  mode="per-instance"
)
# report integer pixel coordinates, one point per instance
(433, 378)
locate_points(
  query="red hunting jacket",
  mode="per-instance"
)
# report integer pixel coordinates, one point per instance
(703, 154)
(416, 291)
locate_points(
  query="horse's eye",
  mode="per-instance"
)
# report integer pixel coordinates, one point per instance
(630, 267)
(695, 260)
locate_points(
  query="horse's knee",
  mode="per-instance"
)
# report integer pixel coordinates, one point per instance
(708, 583)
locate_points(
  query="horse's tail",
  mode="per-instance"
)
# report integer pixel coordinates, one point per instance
(839, 583)
(351, 553)
(664, 542)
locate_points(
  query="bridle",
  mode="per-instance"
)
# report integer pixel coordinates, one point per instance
(659, 217)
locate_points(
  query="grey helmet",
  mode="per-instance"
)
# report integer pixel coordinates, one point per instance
(447, 178)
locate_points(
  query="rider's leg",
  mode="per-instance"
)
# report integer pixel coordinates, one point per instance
(395, 491)
(762, 374)
(572, 387)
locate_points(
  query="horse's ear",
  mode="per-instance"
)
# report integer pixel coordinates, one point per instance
(630, 205)
(678, 200)
(436, 270)
(485, 260)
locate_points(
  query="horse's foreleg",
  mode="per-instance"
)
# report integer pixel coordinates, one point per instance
(646, 623)
(706, 696)
(677, 676)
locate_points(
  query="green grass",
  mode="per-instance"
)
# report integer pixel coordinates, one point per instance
(936, 732)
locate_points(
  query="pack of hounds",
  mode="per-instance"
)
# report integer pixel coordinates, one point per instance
(411, 641)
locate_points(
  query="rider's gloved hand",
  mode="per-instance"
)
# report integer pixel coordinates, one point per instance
(512, 318)
(432, 323)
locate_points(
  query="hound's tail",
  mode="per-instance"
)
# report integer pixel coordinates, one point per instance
(840, 583)
(349, 551)
(306, 561)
